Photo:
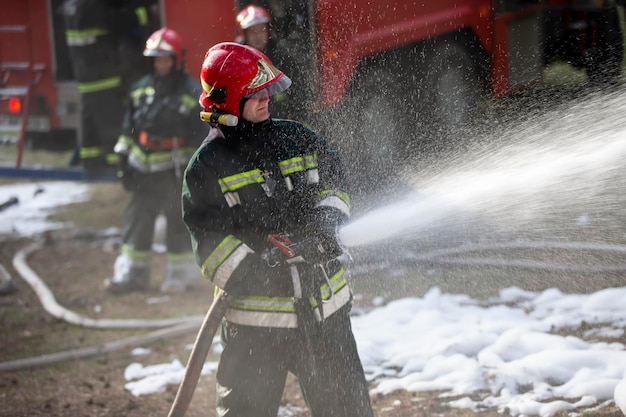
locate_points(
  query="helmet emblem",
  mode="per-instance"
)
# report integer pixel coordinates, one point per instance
(265, 73)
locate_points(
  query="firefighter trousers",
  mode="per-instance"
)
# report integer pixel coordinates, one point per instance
(255, 361)
(152, 194)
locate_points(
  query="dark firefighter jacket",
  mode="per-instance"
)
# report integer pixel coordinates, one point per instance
(249, 181)
(161, 127)
(97, 32)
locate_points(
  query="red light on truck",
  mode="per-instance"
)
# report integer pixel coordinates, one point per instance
(15, 105)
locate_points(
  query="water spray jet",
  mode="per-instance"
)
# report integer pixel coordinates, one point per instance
(561, 161)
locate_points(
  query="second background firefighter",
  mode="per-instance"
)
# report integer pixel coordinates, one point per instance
(161, 130)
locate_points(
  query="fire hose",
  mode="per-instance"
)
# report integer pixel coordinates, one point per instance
(168, 327)
(198, 354)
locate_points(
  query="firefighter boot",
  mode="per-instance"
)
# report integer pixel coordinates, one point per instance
(129, 275)
(181, 273)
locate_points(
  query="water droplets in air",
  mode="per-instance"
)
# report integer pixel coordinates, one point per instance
(569, 161)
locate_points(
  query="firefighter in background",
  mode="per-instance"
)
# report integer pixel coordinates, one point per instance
(255, 28)
(104, 38)
(161, 130)
(257, 177)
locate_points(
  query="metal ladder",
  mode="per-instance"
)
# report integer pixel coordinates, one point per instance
(6, 70)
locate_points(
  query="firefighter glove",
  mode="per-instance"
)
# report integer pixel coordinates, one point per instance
(316, 250)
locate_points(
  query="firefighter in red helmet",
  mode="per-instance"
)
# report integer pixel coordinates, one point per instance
(228, 76)
(255, 28)
(161, 130)
(165, 42)
(257, 180)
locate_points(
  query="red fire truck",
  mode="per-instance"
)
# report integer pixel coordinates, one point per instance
(39, 100)
(385, 75)
(380, 73)
(34, 74)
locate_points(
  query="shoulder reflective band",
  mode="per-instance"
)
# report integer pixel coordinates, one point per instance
(297, 164)
(237, 181)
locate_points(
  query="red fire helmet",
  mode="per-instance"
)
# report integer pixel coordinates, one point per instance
(166, 42)
(231, 72)
(252, 15)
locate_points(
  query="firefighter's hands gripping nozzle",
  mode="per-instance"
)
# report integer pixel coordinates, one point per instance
(279, 252)
(314, 250)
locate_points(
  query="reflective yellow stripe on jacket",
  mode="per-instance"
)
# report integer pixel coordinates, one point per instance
(157, 161)
(89, 152)
(220, 264)
(280, 311)
(298, 164)
(229, 185)
(306, 164)
(150, 162)
(237, 181)
(335, 199)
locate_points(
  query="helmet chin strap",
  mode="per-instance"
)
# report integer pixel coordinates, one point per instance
(242, 104)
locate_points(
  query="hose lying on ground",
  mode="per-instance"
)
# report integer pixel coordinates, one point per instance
(99, 350)
(459, 256)
(184, 325)
(447, 256)
(50, 304)
(171, 327)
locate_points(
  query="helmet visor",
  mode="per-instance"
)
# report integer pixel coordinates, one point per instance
(157, 52)
(276, 87)
(268, 76)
